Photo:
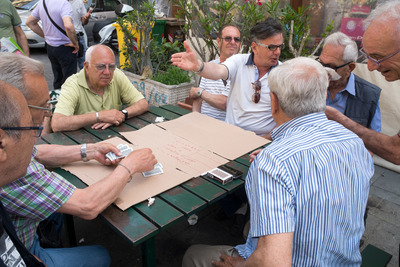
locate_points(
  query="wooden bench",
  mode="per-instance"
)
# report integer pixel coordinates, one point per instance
(374, 257)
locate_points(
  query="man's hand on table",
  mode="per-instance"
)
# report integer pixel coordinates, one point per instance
(98, 152)
(112, 116)
(254, 154)
(227, 261)
(141, 160)
(101, 125)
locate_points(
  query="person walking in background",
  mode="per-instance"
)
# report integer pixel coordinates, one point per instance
(80, 18)
(10, 25)
(59, 33)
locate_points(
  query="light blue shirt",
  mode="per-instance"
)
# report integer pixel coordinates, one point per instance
(313, 181)
(340, 100)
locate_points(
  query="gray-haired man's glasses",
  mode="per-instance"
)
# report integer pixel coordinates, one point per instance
(48, 109)
(38, 129)
(378, 61)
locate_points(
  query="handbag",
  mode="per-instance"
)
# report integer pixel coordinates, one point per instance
(80, 51)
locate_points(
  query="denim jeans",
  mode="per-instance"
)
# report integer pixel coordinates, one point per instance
(96, 256)
(63, 63)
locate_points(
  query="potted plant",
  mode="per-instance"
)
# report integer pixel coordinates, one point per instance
(144, 58)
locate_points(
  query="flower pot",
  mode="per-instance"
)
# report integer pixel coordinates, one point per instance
(157, 93)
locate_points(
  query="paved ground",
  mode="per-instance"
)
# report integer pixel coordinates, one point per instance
(383, 223)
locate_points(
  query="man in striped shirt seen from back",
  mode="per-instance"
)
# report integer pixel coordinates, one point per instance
(211, 96)
(307, 190)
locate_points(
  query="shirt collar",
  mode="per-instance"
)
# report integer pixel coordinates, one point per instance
(304, 120)
(250, 61)
(350, 87)
(83, 83)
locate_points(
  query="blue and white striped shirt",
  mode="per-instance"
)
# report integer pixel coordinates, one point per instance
(313, 180)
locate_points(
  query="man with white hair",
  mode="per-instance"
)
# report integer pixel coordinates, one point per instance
(96, 94)
(351, 95)
(381, 42)
(307, 190)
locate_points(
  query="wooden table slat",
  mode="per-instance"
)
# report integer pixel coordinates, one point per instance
(137, 123)
(81, 136)
(148, 117)
(160, 213)
(124, 127)
(231, 186)
(183, 200)
(175, 109)
(102, 134)
(163, 113)
(240, 167)
(130, 224)
(204, 189)
(58, 139)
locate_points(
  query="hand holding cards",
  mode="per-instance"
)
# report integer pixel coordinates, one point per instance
(125, 150)
(158, 169)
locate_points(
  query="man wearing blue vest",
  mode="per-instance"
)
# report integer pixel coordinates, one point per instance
(354, 97)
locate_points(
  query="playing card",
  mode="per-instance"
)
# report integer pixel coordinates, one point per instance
(125, 150)
(158, 169)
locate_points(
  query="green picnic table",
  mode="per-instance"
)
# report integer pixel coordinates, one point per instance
(140, 224)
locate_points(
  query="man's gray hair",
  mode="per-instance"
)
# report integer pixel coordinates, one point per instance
(13, 67)
(10, 110)
(89, 51)
(301, 86)
(386, 13)
(350, 52)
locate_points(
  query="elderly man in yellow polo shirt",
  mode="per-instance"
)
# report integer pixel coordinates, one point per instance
(95, 95)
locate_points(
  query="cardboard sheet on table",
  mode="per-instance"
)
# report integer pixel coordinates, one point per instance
(222, 138)
(181, 161)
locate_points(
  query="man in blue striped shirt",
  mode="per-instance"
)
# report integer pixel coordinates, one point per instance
(307, 190)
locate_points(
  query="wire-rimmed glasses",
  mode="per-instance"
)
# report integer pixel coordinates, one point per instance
(38, 129)
(377, 61)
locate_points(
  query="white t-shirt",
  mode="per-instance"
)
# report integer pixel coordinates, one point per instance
(216, 88)
(78, 11)
(241, 110)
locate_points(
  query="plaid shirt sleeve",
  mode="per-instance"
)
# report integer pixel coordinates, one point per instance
(33, 198)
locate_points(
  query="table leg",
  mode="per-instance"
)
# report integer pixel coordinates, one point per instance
(69, 230)
(149, 253)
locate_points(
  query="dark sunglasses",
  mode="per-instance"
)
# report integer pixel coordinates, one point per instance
(228, 39)
(257, 88)
(332, 67)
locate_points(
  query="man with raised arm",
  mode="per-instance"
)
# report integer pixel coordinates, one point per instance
(249, 104)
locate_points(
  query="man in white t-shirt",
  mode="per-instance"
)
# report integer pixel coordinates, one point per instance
(249, 103)
(80, 18)
(211, 96)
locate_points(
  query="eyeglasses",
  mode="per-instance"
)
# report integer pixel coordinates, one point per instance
(335, 68)
(38, 129)
(257, 88)
(228, 39)
(102, 67)
(377, 61)
(48, 109)
(272, 47)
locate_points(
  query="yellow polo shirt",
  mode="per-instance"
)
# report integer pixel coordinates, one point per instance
(76, 98)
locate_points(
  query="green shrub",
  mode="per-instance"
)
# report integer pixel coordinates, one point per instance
(173, 75)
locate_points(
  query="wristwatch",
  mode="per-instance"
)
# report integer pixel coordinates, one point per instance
(125, 112)
(200, 92)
